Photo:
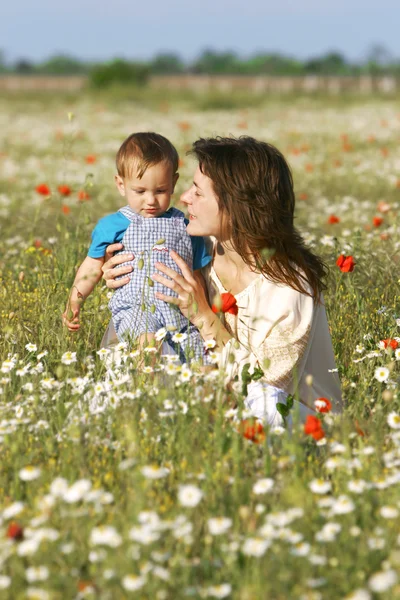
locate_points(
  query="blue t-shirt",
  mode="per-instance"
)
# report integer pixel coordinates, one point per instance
(111, 229)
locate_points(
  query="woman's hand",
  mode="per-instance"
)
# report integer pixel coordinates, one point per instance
(191, 300)
(109, 271)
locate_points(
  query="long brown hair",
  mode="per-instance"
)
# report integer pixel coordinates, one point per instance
(254, 187)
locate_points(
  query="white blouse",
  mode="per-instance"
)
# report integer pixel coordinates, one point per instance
(282, 331)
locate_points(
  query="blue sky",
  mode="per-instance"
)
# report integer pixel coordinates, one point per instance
(90, 29)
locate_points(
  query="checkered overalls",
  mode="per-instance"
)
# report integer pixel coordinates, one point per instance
(135, 309)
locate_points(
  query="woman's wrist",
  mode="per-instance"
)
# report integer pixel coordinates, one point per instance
(211, 328)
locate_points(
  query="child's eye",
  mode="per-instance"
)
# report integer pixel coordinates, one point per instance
(161, 191)
(139, 192)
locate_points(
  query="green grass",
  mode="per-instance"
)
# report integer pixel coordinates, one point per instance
(74, 422)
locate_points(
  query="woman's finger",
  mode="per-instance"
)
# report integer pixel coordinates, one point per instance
(184, 267)
(169, 283)
(179, 279)
(169, 299)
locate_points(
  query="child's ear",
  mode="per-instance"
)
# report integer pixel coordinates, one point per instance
(174, 180)
(119, 182)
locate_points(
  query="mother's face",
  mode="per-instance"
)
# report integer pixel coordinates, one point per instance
(205, 217)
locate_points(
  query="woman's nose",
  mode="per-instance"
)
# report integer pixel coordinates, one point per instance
(185, 197)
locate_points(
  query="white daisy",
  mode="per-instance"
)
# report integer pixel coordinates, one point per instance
(319, 486)
(179, 337)
(382, 374)
(219, 525)
(255, 547)
(382, 580)
(154, 472)
(263, 486)
(189, 495)
(131, 583)
(393, 420)
(31, 347)
(29, 473)
(36, 574)
(219, 591)
(68, 358)
(105, 536)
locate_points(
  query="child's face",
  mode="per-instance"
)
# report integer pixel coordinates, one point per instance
(149, 196)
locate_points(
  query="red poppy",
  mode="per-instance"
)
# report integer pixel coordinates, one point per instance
(313, 427)
(15, 531)
(303, 196)
(43, 189)
(37, 243)
(346, 263)
(90, 159)
(228, 304)
(323, 405)
(333, 219)
(64, 190)
(82, 195)
(252, 430)
(65, 209)
(377, 221)
(394, 344)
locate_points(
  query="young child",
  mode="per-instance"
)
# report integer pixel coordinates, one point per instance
(147, 165)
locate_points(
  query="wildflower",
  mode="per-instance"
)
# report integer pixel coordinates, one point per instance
(179, 337)
(357, 486)
(31, 347)
(301, 549)
(154, 472)
(346, 263)
(131, 583)
(332, 219)
(313, 427)
(36, 574)
(389, 512)
(90, 159)
(322, 405)
(68, 358)
(319, 486)
(43, 189)
(210, 344)
(263, 486)
(29, 473)
(328, 532)
(226, 304)
(64, 190)
(28, 547)
(393, 420)
(5, 582)
(382, 374)
(77, 491)
(382, 581)
(252, 430)
(389, 343)
(343, 505)
(65, 209)
(148, 369)
(83, 195)
(185, 374)
(189, 495)
(105, 536)
(377, 221)
(15, 531)
(103, 353)
(255, 547)
(13, 510)
(219, 591)
(397, 354)
(219, 525)
(160, 334)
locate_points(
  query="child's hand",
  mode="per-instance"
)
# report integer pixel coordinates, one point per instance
(71, 319)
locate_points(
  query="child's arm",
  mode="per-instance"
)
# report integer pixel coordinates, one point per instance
(87, 276)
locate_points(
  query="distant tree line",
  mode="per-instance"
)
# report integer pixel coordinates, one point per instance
(378, 61)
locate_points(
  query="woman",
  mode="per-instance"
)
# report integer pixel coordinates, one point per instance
(242, 198)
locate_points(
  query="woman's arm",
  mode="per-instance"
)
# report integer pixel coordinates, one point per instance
(192, 299)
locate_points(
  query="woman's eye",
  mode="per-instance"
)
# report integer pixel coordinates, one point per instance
(196, 193)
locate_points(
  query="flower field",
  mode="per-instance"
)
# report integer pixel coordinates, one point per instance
(145, 479)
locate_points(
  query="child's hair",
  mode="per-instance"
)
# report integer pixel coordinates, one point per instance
(145, 149)
(254, 189)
